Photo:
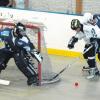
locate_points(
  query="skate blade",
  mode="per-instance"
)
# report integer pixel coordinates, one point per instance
(95, 78)
(90, 77)
(4, 82)
(85, 69)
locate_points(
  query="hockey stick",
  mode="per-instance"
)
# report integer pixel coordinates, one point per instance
(4, 82)
(77, 59)
(87, 49)
(58, 74)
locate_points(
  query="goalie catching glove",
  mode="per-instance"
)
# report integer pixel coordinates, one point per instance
(37, 55)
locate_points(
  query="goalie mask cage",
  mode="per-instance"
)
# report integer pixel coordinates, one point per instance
(35, 32)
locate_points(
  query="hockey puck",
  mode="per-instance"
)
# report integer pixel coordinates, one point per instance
(76, 84)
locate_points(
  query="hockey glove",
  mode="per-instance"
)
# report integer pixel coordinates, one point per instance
(72, 42)
(93, 39)
(36, 55)
(70, 46)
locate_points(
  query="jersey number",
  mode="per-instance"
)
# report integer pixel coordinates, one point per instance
(93, 33)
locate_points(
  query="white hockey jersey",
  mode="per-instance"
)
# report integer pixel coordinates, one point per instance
(88, 32)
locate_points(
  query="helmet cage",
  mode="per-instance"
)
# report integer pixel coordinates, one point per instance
(20, 29)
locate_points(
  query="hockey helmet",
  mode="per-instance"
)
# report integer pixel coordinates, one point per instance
(20, 29)
(75, 23)
(88, 18)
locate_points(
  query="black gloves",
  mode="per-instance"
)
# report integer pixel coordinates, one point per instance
(93, 39)
(70, 46)
(72, 42)
(37, 55)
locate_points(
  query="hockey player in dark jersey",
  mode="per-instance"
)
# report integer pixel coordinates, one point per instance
(14, 40)
(96, 18)
(86, 32)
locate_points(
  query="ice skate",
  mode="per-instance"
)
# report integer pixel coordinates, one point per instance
(93, 72)
(85, 71)
(32, 81)
(97, 72)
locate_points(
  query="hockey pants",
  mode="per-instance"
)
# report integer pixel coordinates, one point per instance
(90, 54)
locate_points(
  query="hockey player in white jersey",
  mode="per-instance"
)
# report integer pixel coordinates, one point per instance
(94, 20)
(86, 32)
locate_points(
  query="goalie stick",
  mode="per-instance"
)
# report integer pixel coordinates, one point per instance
(4, 82)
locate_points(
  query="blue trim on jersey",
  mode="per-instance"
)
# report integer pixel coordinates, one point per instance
(5, 32)
(97, 17)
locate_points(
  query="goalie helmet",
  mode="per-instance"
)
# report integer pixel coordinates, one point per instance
(75, 23)
(20, 29)
(88, 18)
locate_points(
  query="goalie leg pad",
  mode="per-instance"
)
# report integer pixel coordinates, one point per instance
(27, 69)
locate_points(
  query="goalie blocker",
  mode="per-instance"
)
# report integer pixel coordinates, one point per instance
(37, 55)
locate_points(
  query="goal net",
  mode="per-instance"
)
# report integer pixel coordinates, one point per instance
(35, 32)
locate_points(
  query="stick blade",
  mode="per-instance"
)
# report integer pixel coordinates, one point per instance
(4, 82)
(58, 74)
